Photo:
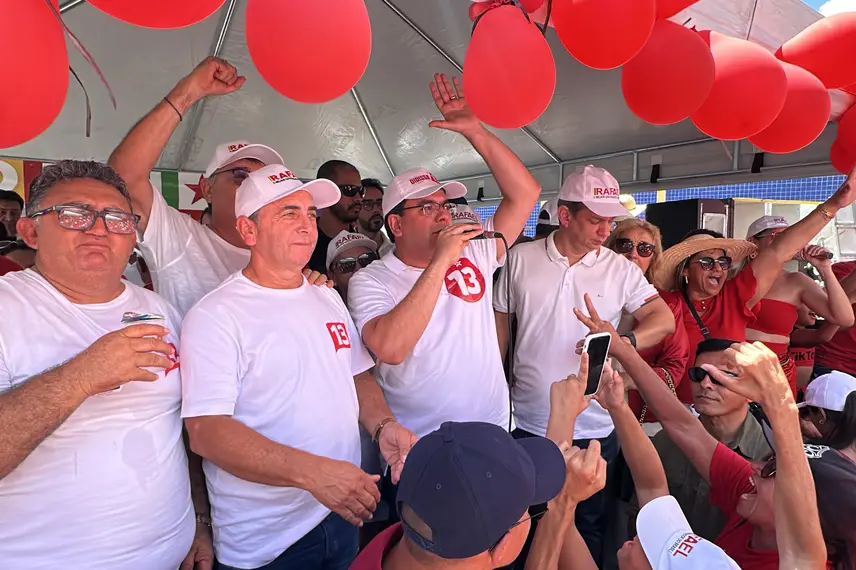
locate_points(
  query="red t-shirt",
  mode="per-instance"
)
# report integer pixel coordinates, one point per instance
(726, 317)
(371, 558)
(8, 266)
(840, 352)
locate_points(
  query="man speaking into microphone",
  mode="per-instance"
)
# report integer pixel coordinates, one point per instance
(426, 306)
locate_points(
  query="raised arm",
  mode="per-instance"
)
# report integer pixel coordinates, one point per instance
(798, 534)
(655, 322)
(518, 187)
(33, 411)
(833, 304)
(767, 267)
(137, 154)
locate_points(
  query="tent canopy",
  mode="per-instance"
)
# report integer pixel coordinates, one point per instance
(382, 125)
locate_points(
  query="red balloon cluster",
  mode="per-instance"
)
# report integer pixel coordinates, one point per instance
(822, 49)
(841, 158)
(509, 72)
(843, 152)
(159, 14)
(322, 56)
(38, 62)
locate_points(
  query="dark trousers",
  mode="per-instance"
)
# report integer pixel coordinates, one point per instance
(332, 545)
(592, 515)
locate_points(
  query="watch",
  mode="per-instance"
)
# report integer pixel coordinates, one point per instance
(631, 338)
(203, 519)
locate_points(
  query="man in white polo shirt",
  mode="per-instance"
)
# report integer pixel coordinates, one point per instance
(427, 304)
(541, 285)
(347, 253)
(93, 471)
(276, 385)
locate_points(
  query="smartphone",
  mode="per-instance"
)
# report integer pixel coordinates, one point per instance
(597, 348)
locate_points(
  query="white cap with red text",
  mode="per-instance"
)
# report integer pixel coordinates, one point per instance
(275, 181)
(417, 183)
(596, 189)
(463, 214)
(228, 153)
(669, 542)
(765, 223)
(346, 240)
(829, 391)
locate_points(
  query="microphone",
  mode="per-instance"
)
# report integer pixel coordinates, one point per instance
(800, 256)
(489, 235)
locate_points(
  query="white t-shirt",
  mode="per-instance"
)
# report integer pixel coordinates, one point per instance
(455, 370)
(282, 362)
(545, 289)
(109, 488)
(186, 259)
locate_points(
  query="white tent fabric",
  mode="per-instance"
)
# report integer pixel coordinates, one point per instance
(382, 125)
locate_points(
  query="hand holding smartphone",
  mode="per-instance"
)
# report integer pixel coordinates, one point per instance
(596, 346)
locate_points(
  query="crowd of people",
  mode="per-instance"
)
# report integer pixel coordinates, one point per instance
(341, 374)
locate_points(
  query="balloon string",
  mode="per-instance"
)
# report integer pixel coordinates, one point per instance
(547, 19)
(496, 4)
(89, 59)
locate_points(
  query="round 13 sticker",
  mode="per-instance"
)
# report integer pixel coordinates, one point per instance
(465, 281)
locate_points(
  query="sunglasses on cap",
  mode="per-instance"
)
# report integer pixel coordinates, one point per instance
(82, 218)
(626, 245)
(697, 374)
(350, 190)
(349, 264)
(707, 263)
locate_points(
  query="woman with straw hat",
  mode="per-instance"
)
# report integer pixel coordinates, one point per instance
(696, 271)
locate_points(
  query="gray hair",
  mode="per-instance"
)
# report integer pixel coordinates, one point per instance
(72, 170)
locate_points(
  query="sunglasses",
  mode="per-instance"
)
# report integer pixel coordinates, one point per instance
(769, 468)
(82, 218)
(350, 190)
(626, 245)
(349, 264)
(369, 205)
(238, 174)
(707, 263)
(697, 374)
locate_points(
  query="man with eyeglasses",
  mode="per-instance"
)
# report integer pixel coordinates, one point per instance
(187, 259)
(341, 216)
(93, 470)
(347, 253)
(371, 216)
(428, 302)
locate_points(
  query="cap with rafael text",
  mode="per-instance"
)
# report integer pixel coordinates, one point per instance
(418, 183)
(230, 152)
(464, 214)
(829, 391)
(275, 181)
(596, 189)
(467, 484)
(348, 240)
(765, 223)
(669, 542)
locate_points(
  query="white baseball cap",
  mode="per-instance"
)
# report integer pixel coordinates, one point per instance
(275, 181)
(230, 152)
(417, 183)
(463, 214)
(765, 223)
(670, 544)
(596, 189)
(829, 391)
(344, 241)
(549, 214)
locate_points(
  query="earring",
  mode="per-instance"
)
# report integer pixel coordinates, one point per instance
(753, 255)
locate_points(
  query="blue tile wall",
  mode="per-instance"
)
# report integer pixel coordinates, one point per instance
(815, 189)
(487, 211)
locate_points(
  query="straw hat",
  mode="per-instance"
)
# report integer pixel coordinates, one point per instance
(664, 274)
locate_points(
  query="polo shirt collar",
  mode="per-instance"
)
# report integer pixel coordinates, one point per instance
(588, 259)
(749, 441)
(391, 261)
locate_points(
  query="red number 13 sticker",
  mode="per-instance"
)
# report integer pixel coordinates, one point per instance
(339, 334)
(465, 281)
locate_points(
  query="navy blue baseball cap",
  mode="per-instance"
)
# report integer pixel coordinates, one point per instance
(470, 483)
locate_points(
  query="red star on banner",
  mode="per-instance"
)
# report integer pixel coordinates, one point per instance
(197, 192)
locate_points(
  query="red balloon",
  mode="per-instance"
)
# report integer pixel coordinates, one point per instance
(822, 47)
(604, 34)
(37, 59)
(159, 14)
(671, 77)
(509, 72)
(748, 93)
(841, 158)
(323, 54)
(668, 8)
(531, 5)
(847, 130)
(803, 117)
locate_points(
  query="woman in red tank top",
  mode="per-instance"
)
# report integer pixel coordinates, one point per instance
(777, 312)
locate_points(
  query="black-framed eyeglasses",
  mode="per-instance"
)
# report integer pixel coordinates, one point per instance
(697, 374)
(349, 264)
(82, 218)
(350, 190)
(707, 263)
(369, 205)
(431, 208)
(626, 245)
(238, 174)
